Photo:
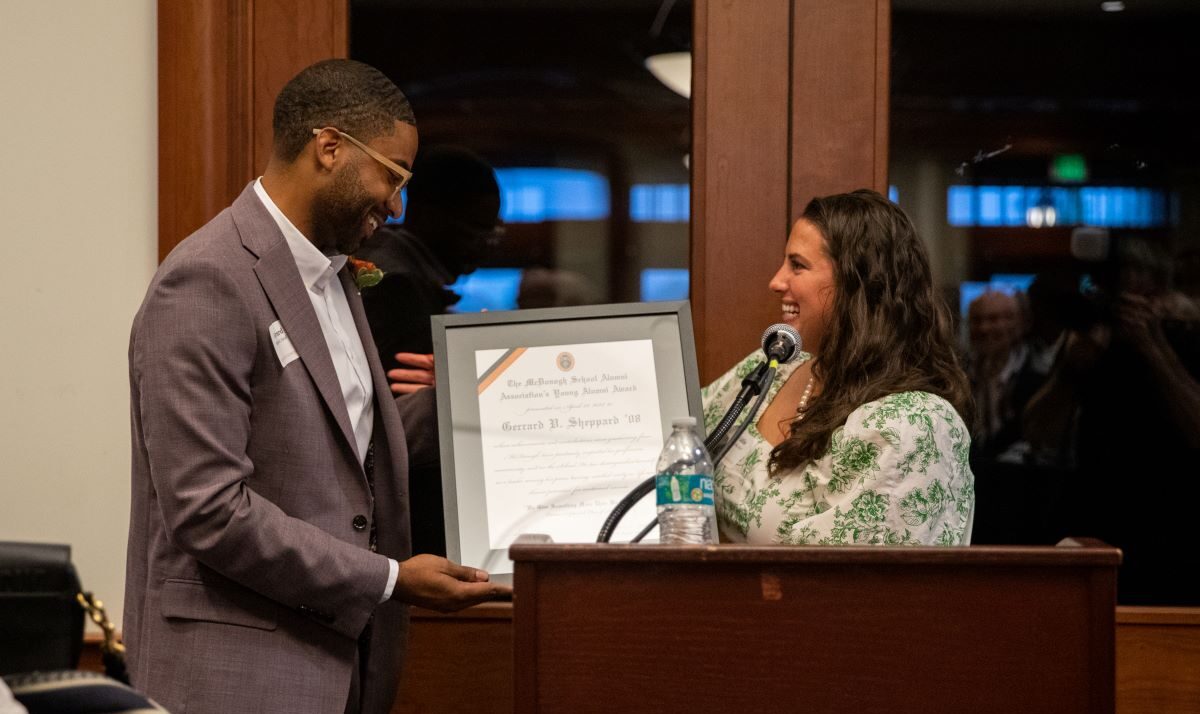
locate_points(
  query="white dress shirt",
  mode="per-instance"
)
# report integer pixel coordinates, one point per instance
(319, 273)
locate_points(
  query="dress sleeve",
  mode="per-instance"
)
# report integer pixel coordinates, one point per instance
(895, 473)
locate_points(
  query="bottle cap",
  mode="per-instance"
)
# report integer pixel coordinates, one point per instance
(684, 421)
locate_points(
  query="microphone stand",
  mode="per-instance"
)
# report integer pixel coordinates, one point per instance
(753, 385)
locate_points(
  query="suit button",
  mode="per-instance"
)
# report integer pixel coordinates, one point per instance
(360, 522)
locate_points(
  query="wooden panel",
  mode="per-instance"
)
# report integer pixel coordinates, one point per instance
(706, 629)
(461, 662)
(739, 173)
(202, 155)
(839, 97)
(221, 63)
(458, 662)
(289, 35)
(1158, 660)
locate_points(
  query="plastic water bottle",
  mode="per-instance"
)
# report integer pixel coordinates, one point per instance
(684, 483)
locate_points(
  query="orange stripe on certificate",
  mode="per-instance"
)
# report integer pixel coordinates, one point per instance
(505, 362)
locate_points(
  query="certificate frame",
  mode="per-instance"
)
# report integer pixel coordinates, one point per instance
(457, 338)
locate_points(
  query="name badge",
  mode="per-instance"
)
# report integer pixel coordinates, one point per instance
(283, 344)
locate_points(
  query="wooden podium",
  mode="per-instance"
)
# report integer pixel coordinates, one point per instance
(619, 628)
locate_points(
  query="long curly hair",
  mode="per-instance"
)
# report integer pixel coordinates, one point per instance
(889, 331)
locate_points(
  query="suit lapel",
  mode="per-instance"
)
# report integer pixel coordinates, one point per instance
(280, 279)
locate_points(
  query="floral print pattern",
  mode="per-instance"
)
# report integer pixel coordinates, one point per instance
(895, 474)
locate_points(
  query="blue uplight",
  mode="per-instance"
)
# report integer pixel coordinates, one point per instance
(488, 289)
(1103, 206)
(659, 202)
(664, 284)
(533, 195)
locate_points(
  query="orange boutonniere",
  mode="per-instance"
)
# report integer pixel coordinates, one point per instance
(366, 273)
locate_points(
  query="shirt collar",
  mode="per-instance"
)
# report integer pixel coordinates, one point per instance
(316, 269)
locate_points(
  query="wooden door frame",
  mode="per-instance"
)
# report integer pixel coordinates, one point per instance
(220, 65)
(789, 101)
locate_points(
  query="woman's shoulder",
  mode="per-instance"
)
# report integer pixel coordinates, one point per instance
(747, 364)
(914, 408)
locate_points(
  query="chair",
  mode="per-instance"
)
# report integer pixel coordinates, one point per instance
(42, 608)
(41, 623)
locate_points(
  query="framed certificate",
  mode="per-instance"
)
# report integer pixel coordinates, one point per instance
(548, 417)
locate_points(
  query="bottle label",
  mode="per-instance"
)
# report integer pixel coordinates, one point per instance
(694, 489)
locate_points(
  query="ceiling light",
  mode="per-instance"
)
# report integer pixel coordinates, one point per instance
(673, 69)
(1112, 6)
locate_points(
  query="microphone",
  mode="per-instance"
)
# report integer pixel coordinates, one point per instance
(781, 342)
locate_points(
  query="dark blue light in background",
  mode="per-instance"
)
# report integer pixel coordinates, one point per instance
(1103, 206)
(488, 289)
(533, 195)
(664, 284)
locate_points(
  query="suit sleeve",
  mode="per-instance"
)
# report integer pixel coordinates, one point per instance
(418, 413)
(193, 356)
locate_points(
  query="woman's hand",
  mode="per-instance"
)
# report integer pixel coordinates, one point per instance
(418, 375)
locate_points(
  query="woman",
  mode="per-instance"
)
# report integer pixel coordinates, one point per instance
(862, 440)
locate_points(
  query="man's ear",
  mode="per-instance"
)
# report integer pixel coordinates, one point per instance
(324, 149)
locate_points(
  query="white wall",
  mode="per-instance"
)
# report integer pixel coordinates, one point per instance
(78, 206)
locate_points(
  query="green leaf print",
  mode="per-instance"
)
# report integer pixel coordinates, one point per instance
(963, 499)
(961, 440)
(746, 367)
(925, 454)
(893, 537)
(750, 509)
(918, 410)
(789, 534)
(892, 408)
(713, 411)
(950, 536)
(747, 464)
(863, 523)
(852, 461)
(920, 506)
(806, 494)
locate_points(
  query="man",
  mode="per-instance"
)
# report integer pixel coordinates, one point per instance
(996, 356)
(452, 216)
(268, 539)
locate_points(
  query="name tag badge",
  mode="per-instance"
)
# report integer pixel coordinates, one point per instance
(283, 345)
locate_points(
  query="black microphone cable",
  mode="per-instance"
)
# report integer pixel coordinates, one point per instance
(780, 343)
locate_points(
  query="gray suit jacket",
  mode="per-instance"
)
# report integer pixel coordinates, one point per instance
(248, 583)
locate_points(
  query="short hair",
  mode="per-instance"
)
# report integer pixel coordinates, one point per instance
(889, 330)
(993, 296)
(344, 94)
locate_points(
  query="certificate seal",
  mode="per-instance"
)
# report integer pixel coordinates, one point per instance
(565, 361)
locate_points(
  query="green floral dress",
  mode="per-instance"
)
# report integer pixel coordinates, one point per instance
(895, 473)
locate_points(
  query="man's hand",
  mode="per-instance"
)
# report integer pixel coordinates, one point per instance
(407, 381)
(435, 583)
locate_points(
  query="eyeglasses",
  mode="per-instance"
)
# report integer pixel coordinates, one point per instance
(400, 174)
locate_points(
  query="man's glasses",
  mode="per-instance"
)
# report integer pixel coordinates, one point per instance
(400, 175)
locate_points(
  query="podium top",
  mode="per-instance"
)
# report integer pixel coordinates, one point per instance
(1069, 552)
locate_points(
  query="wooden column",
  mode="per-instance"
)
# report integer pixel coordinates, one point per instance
(220, 65)
(839, 108)
(789, 101)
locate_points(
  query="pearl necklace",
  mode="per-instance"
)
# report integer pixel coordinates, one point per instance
(803, 405)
